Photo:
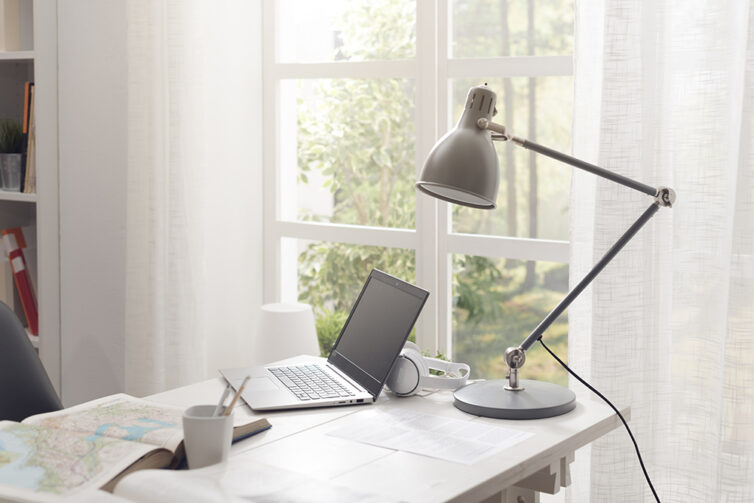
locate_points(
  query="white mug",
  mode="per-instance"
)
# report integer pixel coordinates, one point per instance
(206, 437)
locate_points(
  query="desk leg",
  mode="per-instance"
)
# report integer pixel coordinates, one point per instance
(547, 480)
(517, 494)
(550, 478)
(513, 495)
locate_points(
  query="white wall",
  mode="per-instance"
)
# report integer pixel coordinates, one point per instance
(93, 146)
(93, 154)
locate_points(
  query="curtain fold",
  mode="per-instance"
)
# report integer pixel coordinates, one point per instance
(194, 189)
(664, 95)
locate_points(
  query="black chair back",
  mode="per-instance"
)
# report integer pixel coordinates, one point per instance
(25, 388)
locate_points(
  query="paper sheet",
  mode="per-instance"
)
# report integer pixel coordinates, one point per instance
(435, 436)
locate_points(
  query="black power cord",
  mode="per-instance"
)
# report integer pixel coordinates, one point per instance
(636, 446)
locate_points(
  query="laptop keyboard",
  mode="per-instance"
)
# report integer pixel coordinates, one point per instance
(310, 382)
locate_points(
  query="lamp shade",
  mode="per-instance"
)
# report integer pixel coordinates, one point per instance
(462, 167)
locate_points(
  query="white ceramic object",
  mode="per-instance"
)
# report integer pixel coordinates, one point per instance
(285, 330)
(207, 438)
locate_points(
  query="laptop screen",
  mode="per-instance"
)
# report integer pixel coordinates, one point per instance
(377, 328)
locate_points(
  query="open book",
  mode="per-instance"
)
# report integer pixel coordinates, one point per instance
(92, 445)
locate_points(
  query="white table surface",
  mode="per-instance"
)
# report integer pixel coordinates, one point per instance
(298, 441)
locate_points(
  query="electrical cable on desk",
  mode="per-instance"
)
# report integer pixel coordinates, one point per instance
(582, 381)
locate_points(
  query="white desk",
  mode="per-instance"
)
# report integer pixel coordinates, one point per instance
(297, 441)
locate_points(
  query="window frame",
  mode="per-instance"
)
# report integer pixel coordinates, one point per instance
(432, 241)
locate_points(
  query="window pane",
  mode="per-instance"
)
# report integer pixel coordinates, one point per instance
(346, 30)
(496, 305)
(330, 277)
(353, 161)
(487, 28)
(521, 211)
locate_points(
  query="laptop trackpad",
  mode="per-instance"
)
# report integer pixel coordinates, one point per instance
(260, 385)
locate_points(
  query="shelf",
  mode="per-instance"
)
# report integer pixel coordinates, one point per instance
(17, 196)
(16, 55)
(33, 338)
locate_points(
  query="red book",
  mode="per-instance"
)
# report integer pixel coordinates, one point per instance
(13, 239)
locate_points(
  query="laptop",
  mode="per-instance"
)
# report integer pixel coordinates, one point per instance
(361, 359)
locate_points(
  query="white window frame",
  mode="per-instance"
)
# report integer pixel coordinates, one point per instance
(433, 240)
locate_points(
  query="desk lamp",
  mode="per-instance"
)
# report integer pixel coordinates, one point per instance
(462, 168)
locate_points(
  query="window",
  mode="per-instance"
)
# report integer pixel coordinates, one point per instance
(356, 93)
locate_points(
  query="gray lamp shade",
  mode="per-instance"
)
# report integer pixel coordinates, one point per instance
(462, 167)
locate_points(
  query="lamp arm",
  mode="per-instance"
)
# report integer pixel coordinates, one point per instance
(663, 196)
(502, 135)
(598, 267)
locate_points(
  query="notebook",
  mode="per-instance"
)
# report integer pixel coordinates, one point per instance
(358, 366)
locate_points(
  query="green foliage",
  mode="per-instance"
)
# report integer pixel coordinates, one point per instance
(360, 135)
(329, 324)
(482, 340)
(11, 137)
(331, 274)
(378, 30)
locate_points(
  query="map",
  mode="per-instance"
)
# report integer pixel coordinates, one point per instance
(51, 461)
(84, 446)
(120, 416)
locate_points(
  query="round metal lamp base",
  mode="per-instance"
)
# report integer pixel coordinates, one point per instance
(537, 400)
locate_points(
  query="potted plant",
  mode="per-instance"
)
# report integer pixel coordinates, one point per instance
(11, 154)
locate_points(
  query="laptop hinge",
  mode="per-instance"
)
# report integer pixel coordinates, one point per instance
(345, 377)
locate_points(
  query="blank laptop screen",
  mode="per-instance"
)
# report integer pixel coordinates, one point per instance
(377, 329)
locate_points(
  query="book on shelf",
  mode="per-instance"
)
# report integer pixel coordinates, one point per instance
(14, 243)
(92, 446)
(10, 29)
(29, 178)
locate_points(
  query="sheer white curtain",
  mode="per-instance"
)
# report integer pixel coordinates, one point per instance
(194, 189)
(664, 94)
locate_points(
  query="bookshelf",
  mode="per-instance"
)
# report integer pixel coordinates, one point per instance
(35, 59)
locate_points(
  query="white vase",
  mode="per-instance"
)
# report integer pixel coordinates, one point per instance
(285, 330)
(10, 172)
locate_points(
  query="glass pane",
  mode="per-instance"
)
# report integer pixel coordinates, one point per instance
(496, 305)
(353, 160)
(330, 277)
(487, 28)
(345, 30)
(532, 200)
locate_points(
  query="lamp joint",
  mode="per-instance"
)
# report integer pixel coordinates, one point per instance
(515, 359)
(665, 196)
(497, 129)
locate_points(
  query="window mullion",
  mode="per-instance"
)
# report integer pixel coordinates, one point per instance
(270, 174)
(426, 133)
(443, 269)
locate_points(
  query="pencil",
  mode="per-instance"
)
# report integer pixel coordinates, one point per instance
(229, 408)
(225, 394)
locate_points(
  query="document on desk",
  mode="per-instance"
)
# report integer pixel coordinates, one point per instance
(429, 435)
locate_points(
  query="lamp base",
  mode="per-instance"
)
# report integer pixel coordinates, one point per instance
(537, 400)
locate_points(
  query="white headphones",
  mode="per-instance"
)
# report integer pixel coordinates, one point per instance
(410, 372)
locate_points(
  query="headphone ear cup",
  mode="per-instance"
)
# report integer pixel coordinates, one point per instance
(405, 376)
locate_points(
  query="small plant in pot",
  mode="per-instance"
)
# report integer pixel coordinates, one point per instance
(11, 154)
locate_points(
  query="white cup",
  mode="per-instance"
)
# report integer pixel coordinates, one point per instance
(206, 437)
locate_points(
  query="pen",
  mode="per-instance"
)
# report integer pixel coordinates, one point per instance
(229, 408)
(222, 400)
